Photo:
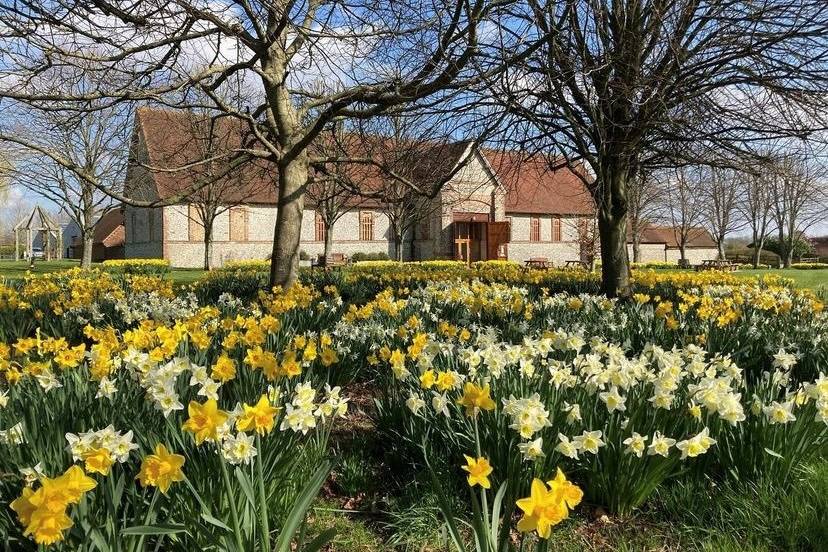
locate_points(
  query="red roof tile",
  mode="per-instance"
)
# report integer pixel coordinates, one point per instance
(533, 187)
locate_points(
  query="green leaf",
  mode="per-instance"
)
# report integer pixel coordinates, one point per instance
(301, 506)
(160, 529)
(774, 454)
(214, 521)
(496, 506)
(246, 485)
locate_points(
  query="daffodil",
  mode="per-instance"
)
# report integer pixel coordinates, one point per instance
(161, 469)
(476, 398)
(205, 420)
(479, 471)
(258, 418)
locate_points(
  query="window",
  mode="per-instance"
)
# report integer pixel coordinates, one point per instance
(238, 224)
(319, 225)
(150, 224)
(556, 229)
(534, 229)
(196, 229)
(366, 226)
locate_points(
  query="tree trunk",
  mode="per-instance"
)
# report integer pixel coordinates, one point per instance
(208, 245)
(87, 225)
(757, 250)
(398, 243)
(615, 266)
(636, 247)
(284, 261)
(88, 237)
(328, 241)
(720, 245)
(683, 252)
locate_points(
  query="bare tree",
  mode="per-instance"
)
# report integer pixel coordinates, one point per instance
(621, 85)
(208, 142)
(373, 57)
(721, 196)
(644, 204)
(332, 189)
(755, 207)
(97, 141)
(798, 200)
(684, 205)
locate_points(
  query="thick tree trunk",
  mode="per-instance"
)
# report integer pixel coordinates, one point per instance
(615, 266)
(720, 245)
(88, 238)
(284, 261)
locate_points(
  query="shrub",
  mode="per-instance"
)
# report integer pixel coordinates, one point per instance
(809, 266)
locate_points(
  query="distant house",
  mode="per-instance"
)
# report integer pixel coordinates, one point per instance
(820, 246)
(495, 205)
(108, 239)
(660, 244)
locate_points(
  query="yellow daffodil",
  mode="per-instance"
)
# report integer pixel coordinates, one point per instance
(476, 398)
(205, 420)
(258, 418)
(161, 469)
(479, 470)
(98, 461)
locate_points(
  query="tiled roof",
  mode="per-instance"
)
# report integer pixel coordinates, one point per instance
(531, 186)
(696, 237)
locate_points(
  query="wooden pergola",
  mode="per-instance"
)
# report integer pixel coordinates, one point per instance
(38, 222)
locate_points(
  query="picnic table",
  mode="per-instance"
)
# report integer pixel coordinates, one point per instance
(717, 264)
(538, 263)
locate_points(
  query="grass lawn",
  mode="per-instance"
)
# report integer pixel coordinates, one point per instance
(15, 270)
(813, 279)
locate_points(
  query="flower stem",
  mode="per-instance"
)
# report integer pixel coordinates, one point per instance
(262, 496)
(234, 514)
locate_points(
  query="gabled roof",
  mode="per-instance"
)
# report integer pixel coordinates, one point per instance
(696, 236)
(37, 219)
(175, 139)
(109, 230)
(530, 185)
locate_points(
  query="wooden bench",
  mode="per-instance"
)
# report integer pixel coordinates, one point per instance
(538, 263)
(334, 260)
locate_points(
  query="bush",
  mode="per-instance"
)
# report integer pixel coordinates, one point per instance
(359, 256)
(802, 247)
(809, 266)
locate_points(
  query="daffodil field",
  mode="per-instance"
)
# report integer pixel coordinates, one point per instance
(135, 415)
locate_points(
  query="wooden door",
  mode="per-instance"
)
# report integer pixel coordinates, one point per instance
(497, 240)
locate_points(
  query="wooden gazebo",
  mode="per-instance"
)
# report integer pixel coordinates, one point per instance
(38, 222)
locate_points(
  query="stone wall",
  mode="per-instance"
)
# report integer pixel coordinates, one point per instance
(260, 221)
(693, 254)
(521, 248)
(649, 252)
